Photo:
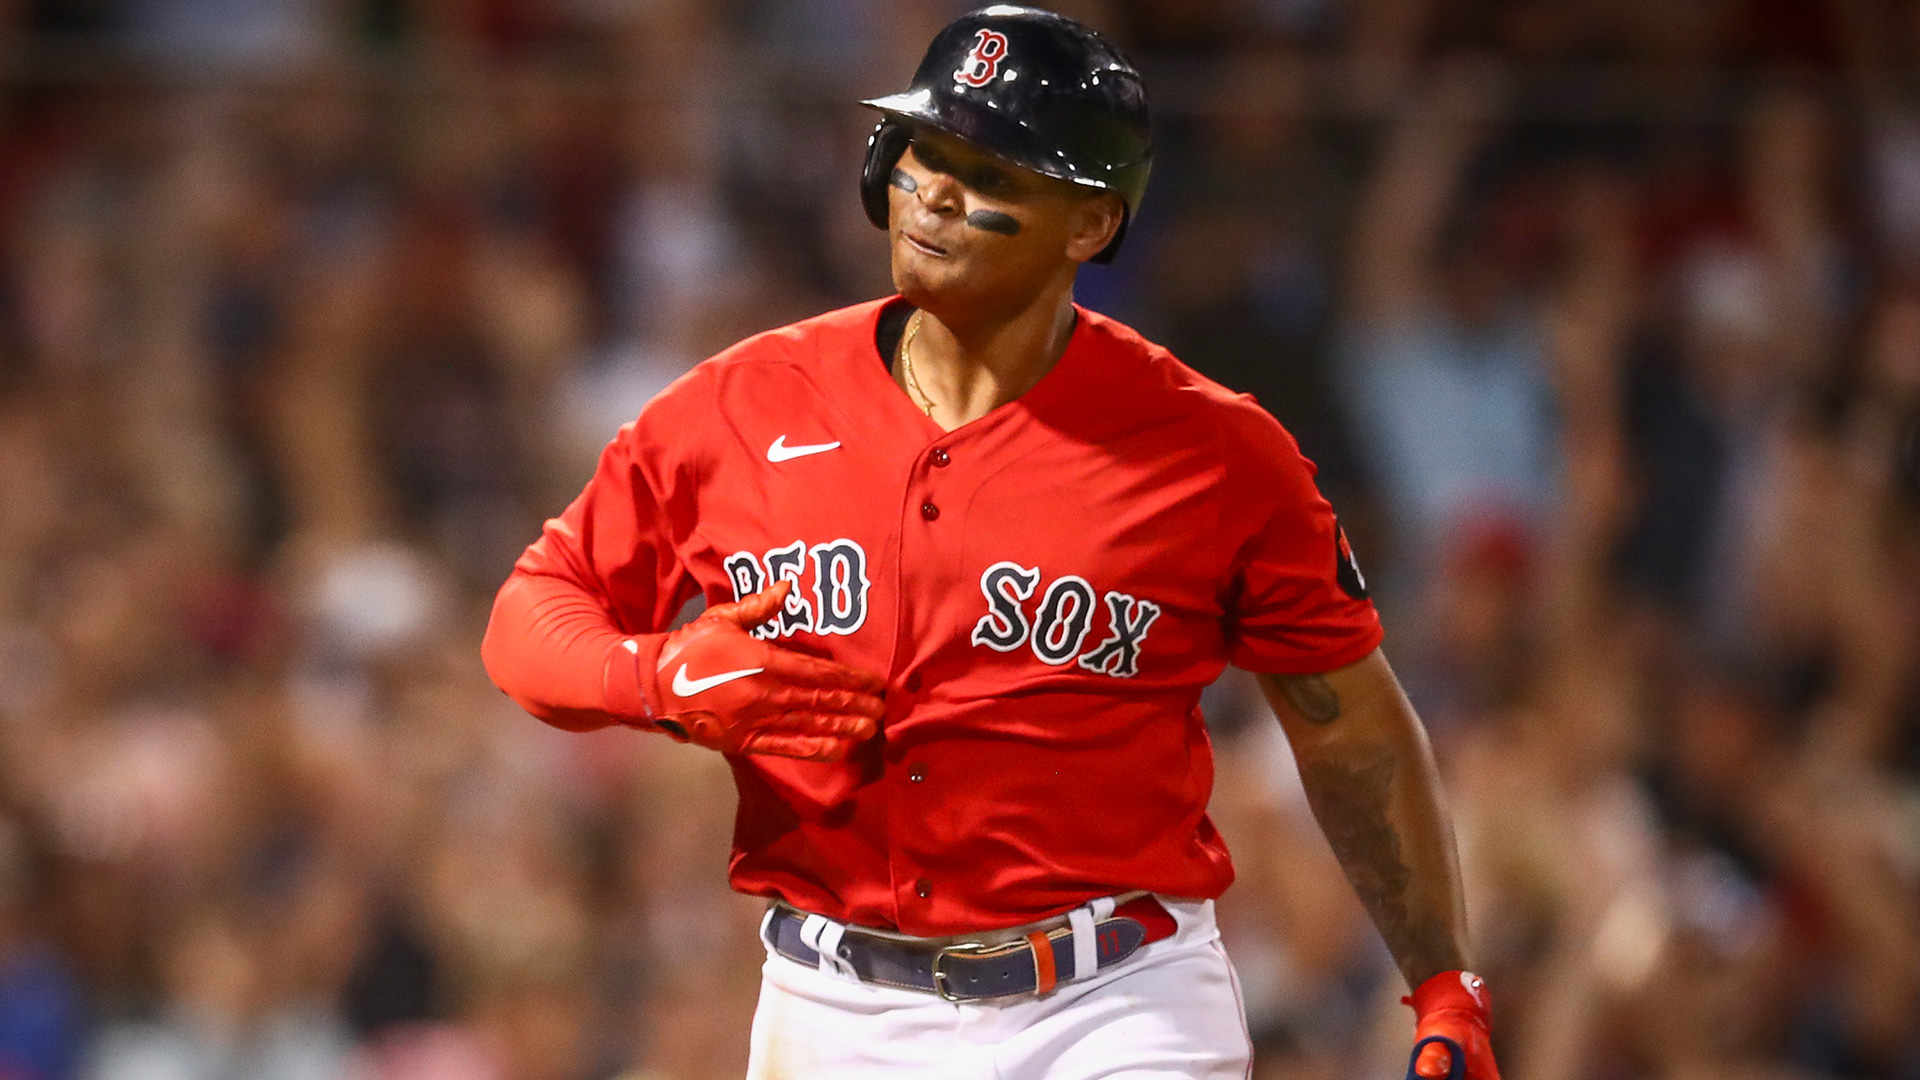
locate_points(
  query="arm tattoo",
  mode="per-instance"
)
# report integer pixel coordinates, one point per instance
(1351, 799)
(1313, 696)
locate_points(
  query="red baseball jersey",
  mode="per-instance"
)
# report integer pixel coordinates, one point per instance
(1046, 591)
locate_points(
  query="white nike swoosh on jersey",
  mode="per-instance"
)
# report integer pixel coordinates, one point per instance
(686, 687)
(780, 451)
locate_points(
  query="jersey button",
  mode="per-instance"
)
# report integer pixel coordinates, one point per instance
(923, 888)
(929, 511)
(939, 457)
(914, 683)
(918, 774)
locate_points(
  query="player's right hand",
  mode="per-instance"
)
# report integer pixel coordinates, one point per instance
(1451, 1028)
(719, 687)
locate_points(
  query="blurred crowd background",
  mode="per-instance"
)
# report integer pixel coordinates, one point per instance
(1600, 317)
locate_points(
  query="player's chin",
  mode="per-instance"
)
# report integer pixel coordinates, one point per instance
(960, 273)
(925, 285)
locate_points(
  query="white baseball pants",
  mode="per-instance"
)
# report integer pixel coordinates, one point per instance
(1171, 1011)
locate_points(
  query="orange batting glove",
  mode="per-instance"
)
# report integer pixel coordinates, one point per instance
(1451, 1023)
(717, 686)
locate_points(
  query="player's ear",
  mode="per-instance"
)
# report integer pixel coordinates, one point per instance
(1093, 224)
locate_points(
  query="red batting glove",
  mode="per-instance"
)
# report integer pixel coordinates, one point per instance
(1452, 1005)
(717, 686)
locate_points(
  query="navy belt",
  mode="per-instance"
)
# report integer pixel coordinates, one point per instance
(968, 970)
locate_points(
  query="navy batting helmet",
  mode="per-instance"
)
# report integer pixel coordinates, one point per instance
(1039, 89)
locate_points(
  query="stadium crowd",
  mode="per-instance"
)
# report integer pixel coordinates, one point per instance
(1600, 317)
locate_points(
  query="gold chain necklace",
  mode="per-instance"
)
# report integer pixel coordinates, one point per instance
(906, 365)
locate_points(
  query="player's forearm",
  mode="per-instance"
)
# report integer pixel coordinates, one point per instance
(1370, 777)
(552, 649)
(1382, 815)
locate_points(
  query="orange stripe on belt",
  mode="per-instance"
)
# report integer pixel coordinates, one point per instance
(1044, 976)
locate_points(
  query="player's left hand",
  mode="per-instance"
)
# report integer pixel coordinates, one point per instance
(1452, 1005)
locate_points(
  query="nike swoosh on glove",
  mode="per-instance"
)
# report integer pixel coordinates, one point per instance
(717, 686)
(1452, 1005)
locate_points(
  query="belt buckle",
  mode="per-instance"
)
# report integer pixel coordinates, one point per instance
(972, 948)
(968, 948)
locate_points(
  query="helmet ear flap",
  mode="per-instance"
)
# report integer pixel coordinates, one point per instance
(884, 147)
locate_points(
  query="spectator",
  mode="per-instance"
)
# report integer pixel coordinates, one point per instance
(42, 1021)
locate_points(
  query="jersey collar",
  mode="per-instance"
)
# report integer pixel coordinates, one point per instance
(1071, 378)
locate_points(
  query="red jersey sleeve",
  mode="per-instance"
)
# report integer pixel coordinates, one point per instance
(579, 623)
(1297, 603)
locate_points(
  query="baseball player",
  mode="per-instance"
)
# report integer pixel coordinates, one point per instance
(971, 552)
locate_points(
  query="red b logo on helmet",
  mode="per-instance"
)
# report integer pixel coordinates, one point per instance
(983, 60)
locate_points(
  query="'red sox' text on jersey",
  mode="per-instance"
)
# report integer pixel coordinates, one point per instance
(1045, 590)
